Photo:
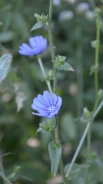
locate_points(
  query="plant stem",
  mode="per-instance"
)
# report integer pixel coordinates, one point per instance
(52, 46)
(43, 72)
(96, 85)
(54, 83)
(56, 130)
(83, 138)
(97, 51)
(4, 178)
(1, 168)
(88, 153)
(62, 171)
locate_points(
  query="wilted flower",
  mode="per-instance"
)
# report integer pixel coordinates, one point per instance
(37, 46)
(47, 105)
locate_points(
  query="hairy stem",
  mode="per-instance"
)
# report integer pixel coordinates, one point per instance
(97, 52)
(96, 85)
(54, 82)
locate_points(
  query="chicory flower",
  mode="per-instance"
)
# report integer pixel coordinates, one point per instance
(37, 46)
(47, 105)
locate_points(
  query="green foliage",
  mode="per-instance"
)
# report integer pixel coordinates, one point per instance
(5, 64)
(55, 155)
(18, 136)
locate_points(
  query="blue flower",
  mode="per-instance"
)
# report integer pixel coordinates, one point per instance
(37, 46)
(47, 105)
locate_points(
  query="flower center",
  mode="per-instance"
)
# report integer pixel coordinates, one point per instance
(51, 108)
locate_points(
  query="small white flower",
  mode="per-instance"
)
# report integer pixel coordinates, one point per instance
(66, 15)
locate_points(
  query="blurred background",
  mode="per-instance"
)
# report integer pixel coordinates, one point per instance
(73, 26)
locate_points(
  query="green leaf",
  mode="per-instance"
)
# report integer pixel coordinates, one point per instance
(75, 169)
(66, 66)
(37, 25)
(68, 126)
(55, 155)
(5, 64)
(39, 130)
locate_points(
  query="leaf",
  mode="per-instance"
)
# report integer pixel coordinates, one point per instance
(55, 155)
(6, 36)
(5, 64)
(37, 25)
(69, 126)
(66, 66)
(75, 169)
(39, 130)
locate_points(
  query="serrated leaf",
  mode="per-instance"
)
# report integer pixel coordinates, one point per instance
(66, 66)
(37, 26)
(55, 155)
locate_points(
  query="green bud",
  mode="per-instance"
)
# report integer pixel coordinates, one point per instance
(59, 60)
(86, 112)
(49, 76)
(97, 11)
(100, 93)
(47, 126)
(93, 69)
(94, 43)
(87, 115)
(41, 18)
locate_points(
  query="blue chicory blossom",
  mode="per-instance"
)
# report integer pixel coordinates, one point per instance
(37, 46)
(47, 105)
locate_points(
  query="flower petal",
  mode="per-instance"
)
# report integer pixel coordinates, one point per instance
(37, 46)
(59, 102)
(47, 98)
(54, 97)
(47, 105)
